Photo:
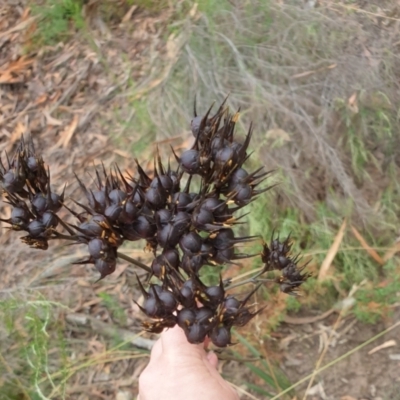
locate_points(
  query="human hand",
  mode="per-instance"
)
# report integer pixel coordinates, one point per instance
(179, 370)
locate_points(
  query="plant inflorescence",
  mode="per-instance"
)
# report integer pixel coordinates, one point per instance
(185, 224)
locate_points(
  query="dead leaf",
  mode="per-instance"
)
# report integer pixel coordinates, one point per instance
(348, 398)
(308, 320)
(278, 133)
(14, 71)
(308, 73)
(128, 15)
(67, 133)
(19, 27)
(18, 131)
(352, 103)
(330, 255)
(367, 247)
(391, 252)
(389, 343)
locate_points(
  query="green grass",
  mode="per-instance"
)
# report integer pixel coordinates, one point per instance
(31, 329)
(57, 20)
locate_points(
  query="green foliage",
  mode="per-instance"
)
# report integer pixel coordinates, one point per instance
(113, 306)
(30, 330)
(56, 20)
(374, 300)
(292, 304)
(272, 376)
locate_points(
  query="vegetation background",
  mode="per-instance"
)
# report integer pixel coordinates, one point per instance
(107, 80)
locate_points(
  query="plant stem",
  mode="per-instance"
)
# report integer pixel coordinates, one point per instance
(133, 261)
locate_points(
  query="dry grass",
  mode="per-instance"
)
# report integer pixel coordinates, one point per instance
(315, 82)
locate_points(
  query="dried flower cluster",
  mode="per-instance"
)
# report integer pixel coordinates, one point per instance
(185, 228)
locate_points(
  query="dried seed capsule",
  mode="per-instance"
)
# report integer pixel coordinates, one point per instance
(129, 213)
(164, 216)
(240, 175)
(98, 248)
(191, 243)
(224, 239)
(202, 218)
(32, 163)
(91, 228)
(56, 202)
(224, 256)
(190, 161)
(105, 267)
(36, 228)
(205, 316)
(187, 292)
(192, 263)
(19, 216)
(231, 306)
(156, 197)
(196, 333)
(181, 200)
(221, 336)
(39, 203)
(98, 201)
(195, 125)
(158, 267)
(225, 156)
(175, 181)
(13, 182)
(113, 212)
(243, 193)
(186, 317)
(168, 300)
(215, 205)
(215, 294)
(171, 258)
(117, 196)
(49, 220)
(144, 227)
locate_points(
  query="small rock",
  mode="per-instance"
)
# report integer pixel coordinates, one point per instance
(123, 395)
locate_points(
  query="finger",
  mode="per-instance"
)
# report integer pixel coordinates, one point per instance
(156, 351)
(174, 343)
(212, 359)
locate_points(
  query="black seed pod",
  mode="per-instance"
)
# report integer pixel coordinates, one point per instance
(98, 248)
(195, 125)
(144, 228)
(113, 211)
(181, 200)
(39, 203)
(171, 258)
(191, 243)
(168, 301)
(196, 333)
(117, 196)
(221, 336)
(98, 201)
(49, 220)
(192, 263)
(156, 197)
(163, 216)
(129, 213)
(190, 161)
(225, 156)
(105, 267)
(243, 193)
(36, 229)
(186, 317)
(19, 216)
(32, 163)
(13, 182)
